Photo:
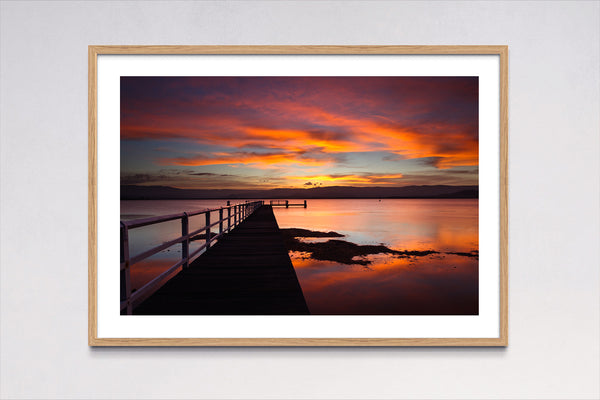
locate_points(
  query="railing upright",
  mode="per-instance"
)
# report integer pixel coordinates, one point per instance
(207, 213)
(220, 221)
(228, 219)
(185, 244)
(126, 271)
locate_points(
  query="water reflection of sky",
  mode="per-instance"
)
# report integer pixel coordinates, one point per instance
(402, 224)
(433, 284)
(427, 285)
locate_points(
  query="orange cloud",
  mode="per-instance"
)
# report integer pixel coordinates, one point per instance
(257, 159)
(411, 117)
(300, 140)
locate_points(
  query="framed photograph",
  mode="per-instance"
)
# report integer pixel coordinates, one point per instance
(298, 195)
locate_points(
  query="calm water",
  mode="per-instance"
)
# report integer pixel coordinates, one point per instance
(440, 283)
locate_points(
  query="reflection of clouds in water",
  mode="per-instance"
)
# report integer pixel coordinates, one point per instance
(146, 270)
(418, 285)
(403, 224)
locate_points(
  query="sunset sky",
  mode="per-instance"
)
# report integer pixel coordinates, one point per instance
(300, 132)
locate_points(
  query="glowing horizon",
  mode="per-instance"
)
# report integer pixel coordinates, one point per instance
(298, 132)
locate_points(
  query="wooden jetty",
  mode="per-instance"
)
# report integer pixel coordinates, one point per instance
(236, 213)
(286, 204)
(247, 272)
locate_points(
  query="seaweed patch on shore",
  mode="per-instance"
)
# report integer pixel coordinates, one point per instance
(472, 253)
(305, 233)
(344, 252)
(340, 251)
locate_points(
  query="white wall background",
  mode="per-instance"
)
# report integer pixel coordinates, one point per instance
(554, 204)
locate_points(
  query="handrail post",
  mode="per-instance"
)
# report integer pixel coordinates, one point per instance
(207, 214)
(126, 272)
(235, 215)
(185, 244)
(228, 219)
(220, 221)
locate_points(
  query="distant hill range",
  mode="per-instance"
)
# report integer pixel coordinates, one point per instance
(134, 192)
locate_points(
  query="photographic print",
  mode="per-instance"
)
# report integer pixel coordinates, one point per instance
(302, 197)
(369, 188)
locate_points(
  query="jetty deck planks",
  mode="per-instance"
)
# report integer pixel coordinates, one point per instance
(247, 272)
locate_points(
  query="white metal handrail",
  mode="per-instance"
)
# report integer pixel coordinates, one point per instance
(235, 215)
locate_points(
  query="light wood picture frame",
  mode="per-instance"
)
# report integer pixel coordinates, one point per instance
(99, 333)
